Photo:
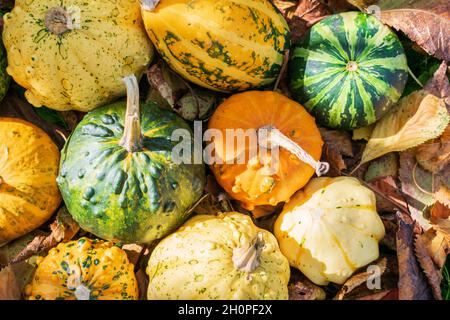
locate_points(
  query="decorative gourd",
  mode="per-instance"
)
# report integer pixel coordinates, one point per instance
(84, 269)
(4, 77)
(117, 175)
(220, 45)
(330, 229)
(73, 55)
(218, 257)
(248, 171)
(29, 162)
(349, 71)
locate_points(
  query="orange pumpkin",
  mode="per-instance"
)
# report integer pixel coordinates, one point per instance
(29, 162)
(250, 172)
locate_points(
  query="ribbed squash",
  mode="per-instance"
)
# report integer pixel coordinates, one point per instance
(330, 229)
(84, 269)
(349, 70)
(72, 55)
(29, 162)
(218, 257)
(221, 45)
(251, 175)
(118, 178)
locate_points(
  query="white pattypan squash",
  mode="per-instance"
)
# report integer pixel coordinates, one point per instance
(330, 229)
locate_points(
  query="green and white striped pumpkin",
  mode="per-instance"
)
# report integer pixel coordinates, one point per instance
(349, 70)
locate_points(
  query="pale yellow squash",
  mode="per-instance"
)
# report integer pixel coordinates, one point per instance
(330, 229)
(72, 55)
(29, 162)
(218, 257)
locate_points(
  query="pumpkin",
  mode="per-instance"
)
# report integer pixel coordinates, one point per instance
(218, 257)
(84, 269)
(73, 55)
(29, 162)
(220, 45)
(349, 70)
(117, 176)
(330, 229)
(4, 77)
(250, 172)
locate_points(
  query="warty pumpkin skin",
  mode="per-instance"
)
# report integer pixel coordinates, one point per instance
(117, 175)
(77, 68)
(330, 229)
(218, 257)
(29, 162)
(250, 182)
(84, 269)
(220, 45)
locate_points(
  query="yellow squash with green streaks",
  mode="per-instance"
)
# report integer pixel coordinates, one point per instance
(218, 257)
(220, 45)
(72, 55)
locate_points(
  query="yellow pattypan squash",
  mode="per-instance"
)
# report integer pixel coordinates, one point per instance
(73, 55)
(330, 229)
(218, 257)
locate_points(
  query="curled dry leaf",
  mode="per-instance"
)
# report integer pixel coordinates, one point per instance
(337, 144)
(365, 277)
(426, 22)
(389, 196)
(9, 286)
(416, 119)
(437, 244)
(63, 229)
(439, 84)
(412, 283)
(300, 288)
(428, 266)
(435, 154)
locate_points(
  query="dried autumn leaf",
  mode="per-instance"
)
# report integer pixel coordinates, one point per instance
(435, 154)
(412, 283)
(429, 267)
(384, 166)
(300, 288)
(437, 244)
(416, 119)
(337, 144)
(439, 84)
(442, 195)
(417, 187)
(389, 197)
(378, 268)
(426, 22)
(9, 286)
(363, 133)
(63, 229)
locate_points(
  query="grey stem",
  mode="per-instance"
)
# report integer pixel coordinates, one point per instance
(247, 257)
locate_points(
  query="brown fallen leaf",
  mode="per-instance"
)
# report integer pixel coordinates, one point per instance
(390, 236)
(337, 144)
(383, 295)
(437, 244)
(439, 84)
(442, 195)
(17, 107)
(435, 154)
(142, 280)
(300, 288)
(9, 286)
(389, 196)
(412, 283)
(63, 229)
(426, 22)
(430, 269)
(362, 278)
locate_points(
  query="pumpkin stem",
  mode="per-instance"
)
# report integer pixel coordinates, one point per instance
(59, 20)
(247, 257)
(149, 5)
(271, 137)
(132, 135)
(352, 66)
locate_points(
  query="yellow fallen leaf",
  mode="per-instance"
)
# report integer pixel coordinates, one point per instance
(416, 119)
(363, 133)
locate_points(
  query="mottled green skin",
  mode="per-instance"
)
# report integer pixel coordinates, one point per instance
(121, 196)
(340, 98)
(4, 77)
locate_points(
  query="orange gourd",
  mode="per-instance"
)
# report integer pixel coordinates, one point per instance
(259, 179)
(29, 162)
(84, 269)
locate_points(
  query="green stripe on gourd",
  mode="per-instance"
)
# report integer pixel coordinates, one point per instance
(117, 175)
(349, 70)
